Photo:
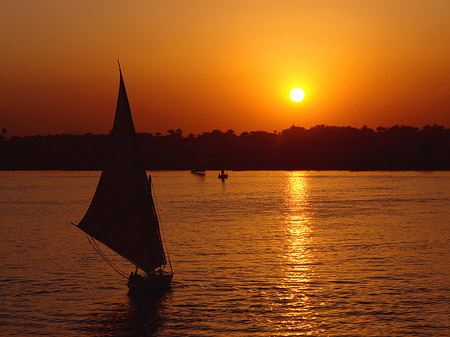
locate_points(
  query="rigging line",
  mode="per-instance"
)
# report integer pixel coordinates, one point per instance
(103, 255)
(160, 224)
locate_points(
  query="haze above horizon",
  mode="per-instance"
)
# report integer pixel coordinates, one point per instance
(202, 65)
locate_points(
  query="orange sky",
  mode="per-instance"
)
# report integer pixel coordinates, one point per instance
(204, 65)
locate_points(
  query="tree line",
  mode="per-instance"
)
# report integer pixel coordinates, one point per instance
(296, 148)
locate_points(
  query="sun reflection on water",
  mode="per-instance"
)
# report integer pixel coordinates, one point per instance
(296, 290)
(297, 227)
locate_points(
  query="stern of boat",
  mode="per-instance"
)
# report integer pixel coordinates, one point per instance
(157, 282)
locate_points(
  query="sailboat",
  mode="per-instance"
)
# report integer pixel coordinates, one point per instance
(122, 214)
(222, 175)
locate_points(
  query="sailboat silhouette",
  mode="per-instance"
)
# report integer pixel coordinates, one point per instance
(122, 214)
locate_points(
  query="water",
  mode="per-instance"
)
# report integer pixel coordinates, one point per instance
(261, 254)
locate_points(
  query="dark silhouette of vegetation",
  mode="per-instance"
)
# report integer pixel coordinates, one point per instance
(318, 148)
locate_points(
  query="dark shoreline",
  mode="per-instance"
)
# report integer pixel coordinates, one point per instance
(398, 148)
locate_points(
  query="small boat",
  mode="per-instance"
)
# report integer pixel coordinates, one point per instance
(122, 214)
(198, 171)
(222, 175)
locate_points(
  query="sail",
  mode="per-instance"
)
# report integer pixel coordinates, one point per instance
(122, 214)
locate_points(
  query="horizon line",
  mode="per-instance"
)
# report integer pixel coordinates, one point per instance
(276, 132)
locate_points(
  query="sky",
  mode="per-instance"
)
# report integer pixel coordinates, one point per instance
(205, 65)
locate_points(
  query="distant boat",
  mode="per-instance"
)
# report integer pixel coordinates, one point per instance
(222, 175)
(198, 171)
(122, 213)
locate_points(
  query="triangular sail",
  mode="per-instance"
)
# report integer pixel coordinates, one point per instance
(122, 214)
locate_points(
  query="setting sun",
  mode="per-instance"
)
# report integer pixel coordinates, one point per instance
(297, 94)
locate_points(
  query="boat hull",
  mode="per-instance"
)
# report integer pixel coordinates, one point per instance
(157, 282)
(198, 172)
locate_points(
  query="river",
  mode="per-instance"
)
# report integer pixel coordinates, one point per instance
(284, 253)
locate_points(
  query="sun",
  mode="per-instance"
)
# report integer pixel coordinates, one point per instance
(297, 94)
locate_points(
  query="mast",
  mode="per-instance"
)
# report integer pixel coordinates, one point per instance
(122, 213)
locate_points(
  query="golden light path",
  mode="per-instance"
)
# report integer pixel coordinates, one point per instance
(295, 286)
